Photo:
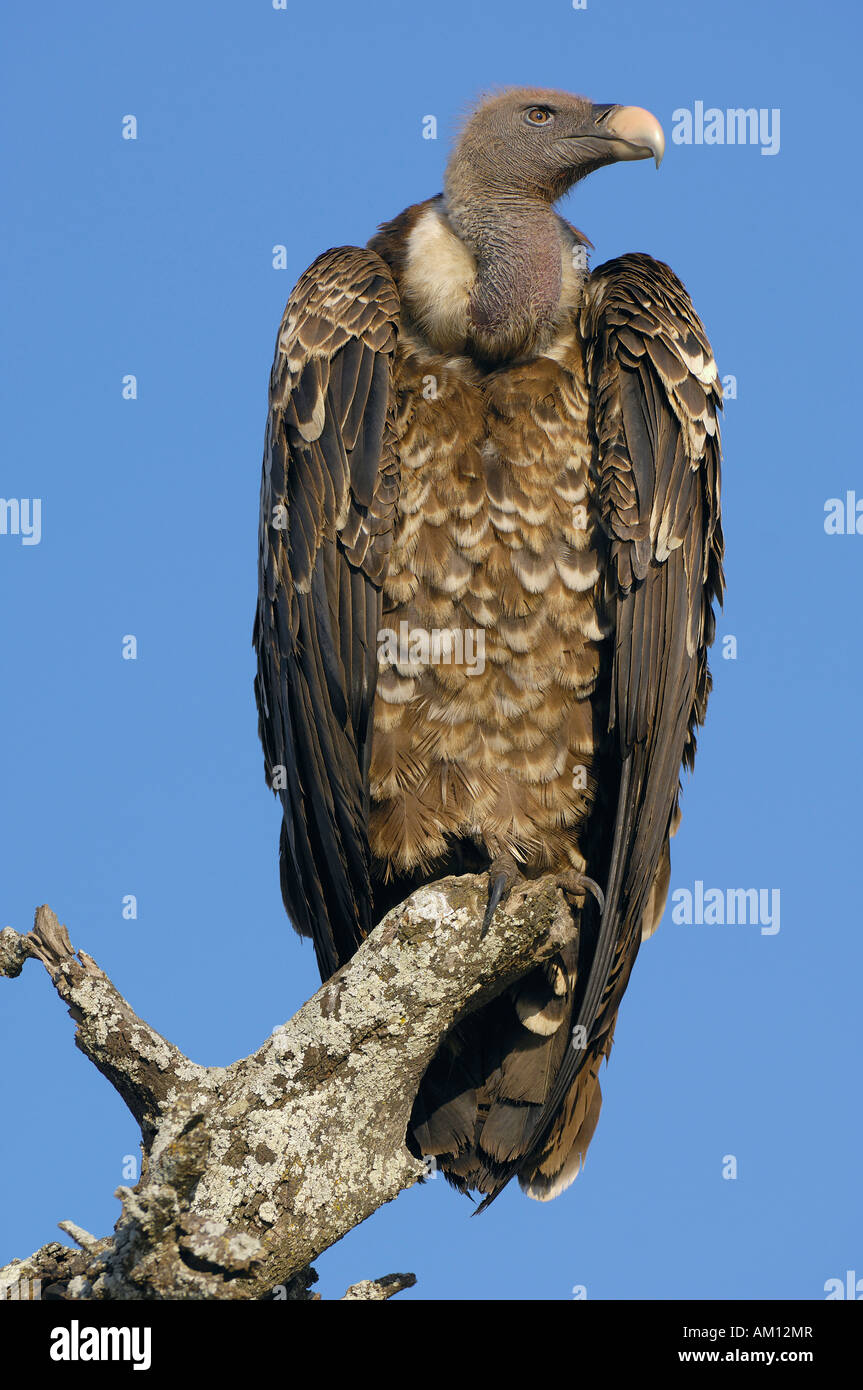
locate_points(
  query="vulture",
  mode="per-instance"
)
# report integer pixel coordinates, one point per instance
(490, 546)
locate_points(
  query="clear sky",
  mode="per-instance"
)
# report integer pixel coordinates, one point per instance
(302, 127)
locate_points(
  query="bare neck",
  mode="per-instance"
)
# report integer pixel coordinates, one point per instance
(516, 242)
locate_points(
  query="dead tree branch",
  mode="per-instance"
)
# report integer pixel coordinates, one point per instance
(252, 1170)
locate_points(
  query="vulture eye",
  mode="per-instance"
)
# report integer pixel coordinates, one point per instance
(538, 115)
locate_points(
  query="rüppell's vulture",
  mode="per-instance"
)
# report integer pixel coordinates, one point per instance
(489, 547)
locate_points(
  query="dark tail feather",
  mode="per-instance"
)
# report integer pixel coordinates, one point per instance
(481, 1100)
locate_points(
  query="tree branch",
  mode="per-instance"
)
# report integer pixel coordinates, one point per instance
(254, 1169)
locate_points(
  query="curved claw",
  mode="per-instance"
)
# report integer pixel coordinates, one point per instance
(503, 874)
(498, 888)
(576, 882)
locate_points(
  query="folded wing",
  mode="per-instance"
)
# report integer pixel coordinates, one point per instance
(328, 497)
(655, 398)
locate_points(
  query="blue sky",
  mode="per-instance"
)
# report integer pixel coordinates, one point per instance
(153, 257)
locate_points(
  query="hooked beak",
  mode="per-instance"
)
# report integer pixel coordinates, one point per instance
(624, 132)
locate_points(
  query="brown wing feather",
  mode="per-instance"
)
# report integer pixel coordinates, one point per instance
(655, 397)
(328, 497)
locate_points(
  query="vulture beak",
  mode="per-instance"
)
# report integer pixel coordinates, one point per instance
(626, 132)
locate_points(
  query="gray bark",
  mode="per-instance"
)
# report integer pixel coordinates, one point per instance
(251, 1171)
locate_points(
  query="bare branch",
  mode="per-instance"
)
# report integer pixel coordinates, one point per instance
(380, 1289)
(252, 1170)
(147, 1071)
(14, 950)
(82, 1238)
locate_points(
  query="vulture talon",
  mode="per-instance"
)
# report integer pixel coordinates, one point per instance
(502, 877)
(574, 882)
(498, 888)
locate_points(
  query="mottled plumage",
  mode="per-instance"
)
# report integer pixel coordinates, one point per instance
(490, 544)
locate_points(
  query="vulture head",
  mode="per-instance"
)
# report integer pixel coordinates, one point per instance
(518, 153)
(534, 143)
